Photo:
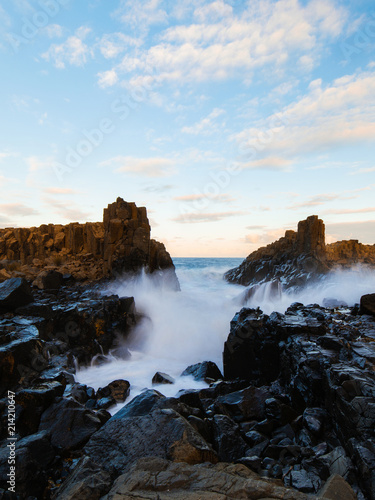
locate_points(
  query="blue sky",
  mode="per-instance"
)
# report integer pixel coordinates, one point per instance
(229, 120)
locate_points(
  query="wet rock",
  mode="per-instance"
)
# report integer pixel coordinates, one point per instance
(162, 378)
(332, 303)
(118, 390)
(87, 482)
(34, 454)
(32, 402)
(22, 356)
(244, 405)
(70, 424)
(228, 441)
(207, 371)
(162, 433)
(368, 304)
(14, 292)
(251, 351)
(301, 481)
(141, 405)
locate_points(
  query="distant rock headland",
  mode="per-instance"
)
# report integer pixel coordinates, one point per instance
(121, 243)
(300, 257)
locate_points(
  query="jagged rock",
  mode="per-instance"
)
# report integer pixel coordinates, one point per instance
(34, 454)
(162, 378)
(32, 402)
(153, 477)
(70, 424)
(300, 257)
(207, 371)
(246, 404)
(121, 243)
(21, 356)
(14, 292)
(140, 405)
(87, 482)
(228, 442)
(251, 351)
(368, 304)
(163, 433)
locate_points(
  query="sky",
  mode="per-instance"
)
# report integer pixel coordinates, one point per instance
(229, 120)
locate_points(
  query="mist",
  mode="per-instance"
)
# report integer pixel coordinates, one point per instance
(182, 328)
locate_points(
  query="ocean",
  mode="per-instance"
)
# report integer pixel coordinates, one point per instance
(190, 326)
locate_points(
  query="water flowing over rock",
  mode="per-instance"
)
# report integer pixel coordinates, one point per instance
(120, 244)
(300, 257)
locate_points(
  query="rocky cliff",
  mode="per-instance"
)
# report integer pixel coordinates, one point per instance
(121, 243)
(300, 257)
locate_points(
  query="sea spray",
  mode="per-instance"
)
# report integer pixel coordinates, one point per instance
(186, 327)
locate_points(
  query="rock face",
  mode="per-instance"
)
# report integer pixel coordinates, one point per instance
(121, 243)
(300, 257)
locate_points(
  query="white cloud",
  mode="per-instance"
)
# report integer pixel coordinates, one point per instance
(338, 114)
(205, 217)
(54, 31)
(269, 163)
(213, 11)
(111, 45)
(73, 51)
(149, 167)
(19, 209)
(206, 126)
(107, 78)
(140, 15)
(223, 45)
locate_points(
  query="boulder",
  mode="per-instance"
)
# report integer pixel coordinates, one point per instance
(228, 441)
(162, 378)
(118, 390)
(207, 371)
(336, 488)
(87, 482)
(14, 292)
(162, 433)
(368, 304)
(70, 424)
(154, 477)
(49, 280)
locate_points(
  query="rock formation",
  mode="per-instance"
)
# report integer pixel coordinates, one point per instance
(121, 243)
(300, 257)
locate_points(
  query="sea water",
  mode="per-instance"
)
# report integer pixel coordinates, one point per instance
(182, 328)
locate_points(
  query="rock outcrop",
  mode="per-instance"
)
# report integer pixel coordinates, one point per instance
(121, 243)
(300, 257)
(318, 366)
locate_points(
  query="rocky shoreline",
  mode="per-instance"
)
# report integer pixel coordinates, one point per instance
(292, 416)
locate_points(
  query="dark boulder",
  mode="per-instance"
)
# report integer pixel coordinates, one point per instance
(118, 390)
(160, 433)
(87, 482)
(70, 424)
(207, 371)
(228, 441)
(49, 280)
(162, 378)
(368, 304)
(140, 405)
(14, 292)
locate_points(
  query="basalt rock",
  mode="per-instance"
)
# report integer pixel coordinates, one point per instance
(120, 244)
(299, 258)
(14, 292)
(320, 416)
